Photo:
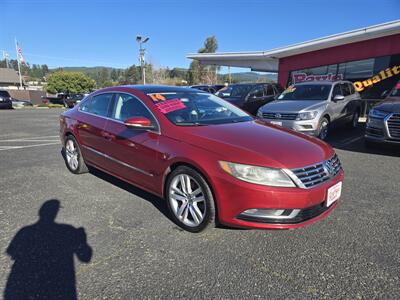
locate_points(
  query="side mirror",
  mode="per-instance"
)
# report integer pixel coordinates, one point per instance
(138, 122)
(338, 98)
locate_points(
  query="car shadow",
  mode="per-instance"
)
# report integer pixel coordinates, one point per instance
(156, 201)
(43, 255)
(353, 140)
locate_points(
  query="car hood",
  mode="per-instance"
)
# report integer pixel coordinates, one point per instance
(258, 143)
(390, 105)
(292, 105)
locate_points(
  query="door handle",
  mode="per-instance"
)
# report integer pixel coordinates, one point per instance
(107, 136)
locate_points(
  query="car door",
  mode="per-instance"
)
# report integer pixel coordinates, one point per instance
(134, 151)
(353, 102)
(254, 99)
(269, 93)
(92, 120)
(337, 107)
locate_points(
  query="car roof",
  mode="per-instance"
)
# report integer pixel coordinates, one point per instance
(149, 89)
(323, 82)
(250, 83)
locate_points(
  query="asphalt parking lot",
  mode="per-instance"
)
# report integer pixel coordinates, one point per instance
(138, 252)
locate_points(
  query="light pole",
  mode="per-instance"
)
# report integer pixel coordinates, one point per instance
(141, 40)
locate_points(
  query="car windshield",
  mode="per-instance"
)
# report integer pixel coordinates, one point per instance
(306, 92)
(196, 109)
(239, 90)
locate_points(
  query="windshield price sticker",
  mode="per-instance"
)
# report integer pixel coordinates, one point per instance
(170, 105)
(157, 97)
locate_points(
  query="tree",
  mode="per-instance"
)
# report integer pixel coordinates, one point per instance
(69, 82)
(114, 75)
(200, 73)
(132, 75)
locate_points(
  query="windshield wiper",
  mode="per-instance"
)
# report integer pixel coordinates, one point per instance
(190, 124)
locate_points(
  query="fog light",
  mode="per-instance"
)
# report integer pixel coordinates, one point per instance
(271, 213)
(376, 123)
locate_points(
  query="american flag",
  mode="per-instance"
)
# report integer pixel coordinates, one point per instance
(21, 58)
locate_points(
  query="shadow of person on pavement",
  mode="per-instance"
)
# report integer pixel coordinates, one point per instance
(43, 255)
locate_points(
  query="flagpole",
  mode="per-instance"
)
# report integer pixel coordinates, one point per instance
(19, 67)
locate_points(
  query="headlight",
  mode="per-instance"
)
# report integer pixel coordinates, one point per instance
(259, 113)
(309, 115)
(258, 175)
(374, 113)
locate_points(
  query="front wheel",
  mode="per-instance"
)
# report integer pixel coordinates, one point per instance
(323, 128)
(190, 199)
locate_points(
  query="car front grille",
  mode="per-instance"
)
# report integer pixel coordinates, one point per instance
(279, 116)
(394, 126)
(317, 174)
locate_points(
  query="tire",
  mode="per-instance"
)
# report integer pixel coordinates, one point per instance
(191, 211)
(323, 128)
(73, 157)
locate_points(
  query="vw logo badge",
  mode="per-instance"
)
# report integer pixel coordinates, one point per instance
(278, 116)
(328, 168)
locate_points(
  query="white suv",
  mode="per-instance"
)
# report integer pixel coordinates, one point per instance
(311, 107)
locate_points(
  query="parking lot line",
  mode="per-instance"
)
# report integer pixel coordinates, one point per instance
(4, 148)
(32, 139)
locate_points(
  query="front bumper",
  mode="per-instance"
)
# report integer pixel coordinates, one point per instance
(235, 196)
(377, 131)
(309, 127)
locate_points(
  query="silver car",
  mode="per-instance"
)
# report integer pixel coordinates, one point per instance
(312, 107)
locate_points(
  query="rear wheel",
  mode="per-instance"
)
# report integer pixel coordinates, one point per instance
(190, 199)
(73, 156)
(354, 120)
(323, 128)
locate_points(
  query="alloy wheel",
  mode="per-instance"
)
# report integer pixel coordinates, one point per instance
(187, 200)
(71, 153)
(323, 129)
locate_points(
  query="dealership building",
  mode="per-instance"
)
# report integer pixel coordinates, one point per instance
(369, 57)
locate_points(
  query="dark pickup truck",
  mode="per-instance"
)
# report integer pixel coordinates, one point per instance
(68, 100)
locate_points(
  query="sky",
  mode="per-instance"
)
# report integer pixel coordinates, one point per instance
(102, 32)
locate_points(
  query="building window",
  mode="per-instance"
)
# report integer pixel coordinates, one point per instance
(354, 71)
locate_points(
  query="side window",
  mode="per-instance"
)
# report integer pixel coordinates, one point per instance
(127, 106)
(258, 92)
(85, 104)
(336, 91)
(352, 89)
(345, 89)
(100, 104)
(269, 91)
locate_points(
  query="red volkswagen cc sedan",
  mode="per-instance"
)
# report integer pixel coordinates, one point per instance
(211, 161)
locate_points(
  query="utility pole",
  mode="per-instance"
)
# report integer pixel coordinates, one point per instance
(141, 40)
(17, 50)
(6, 56)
